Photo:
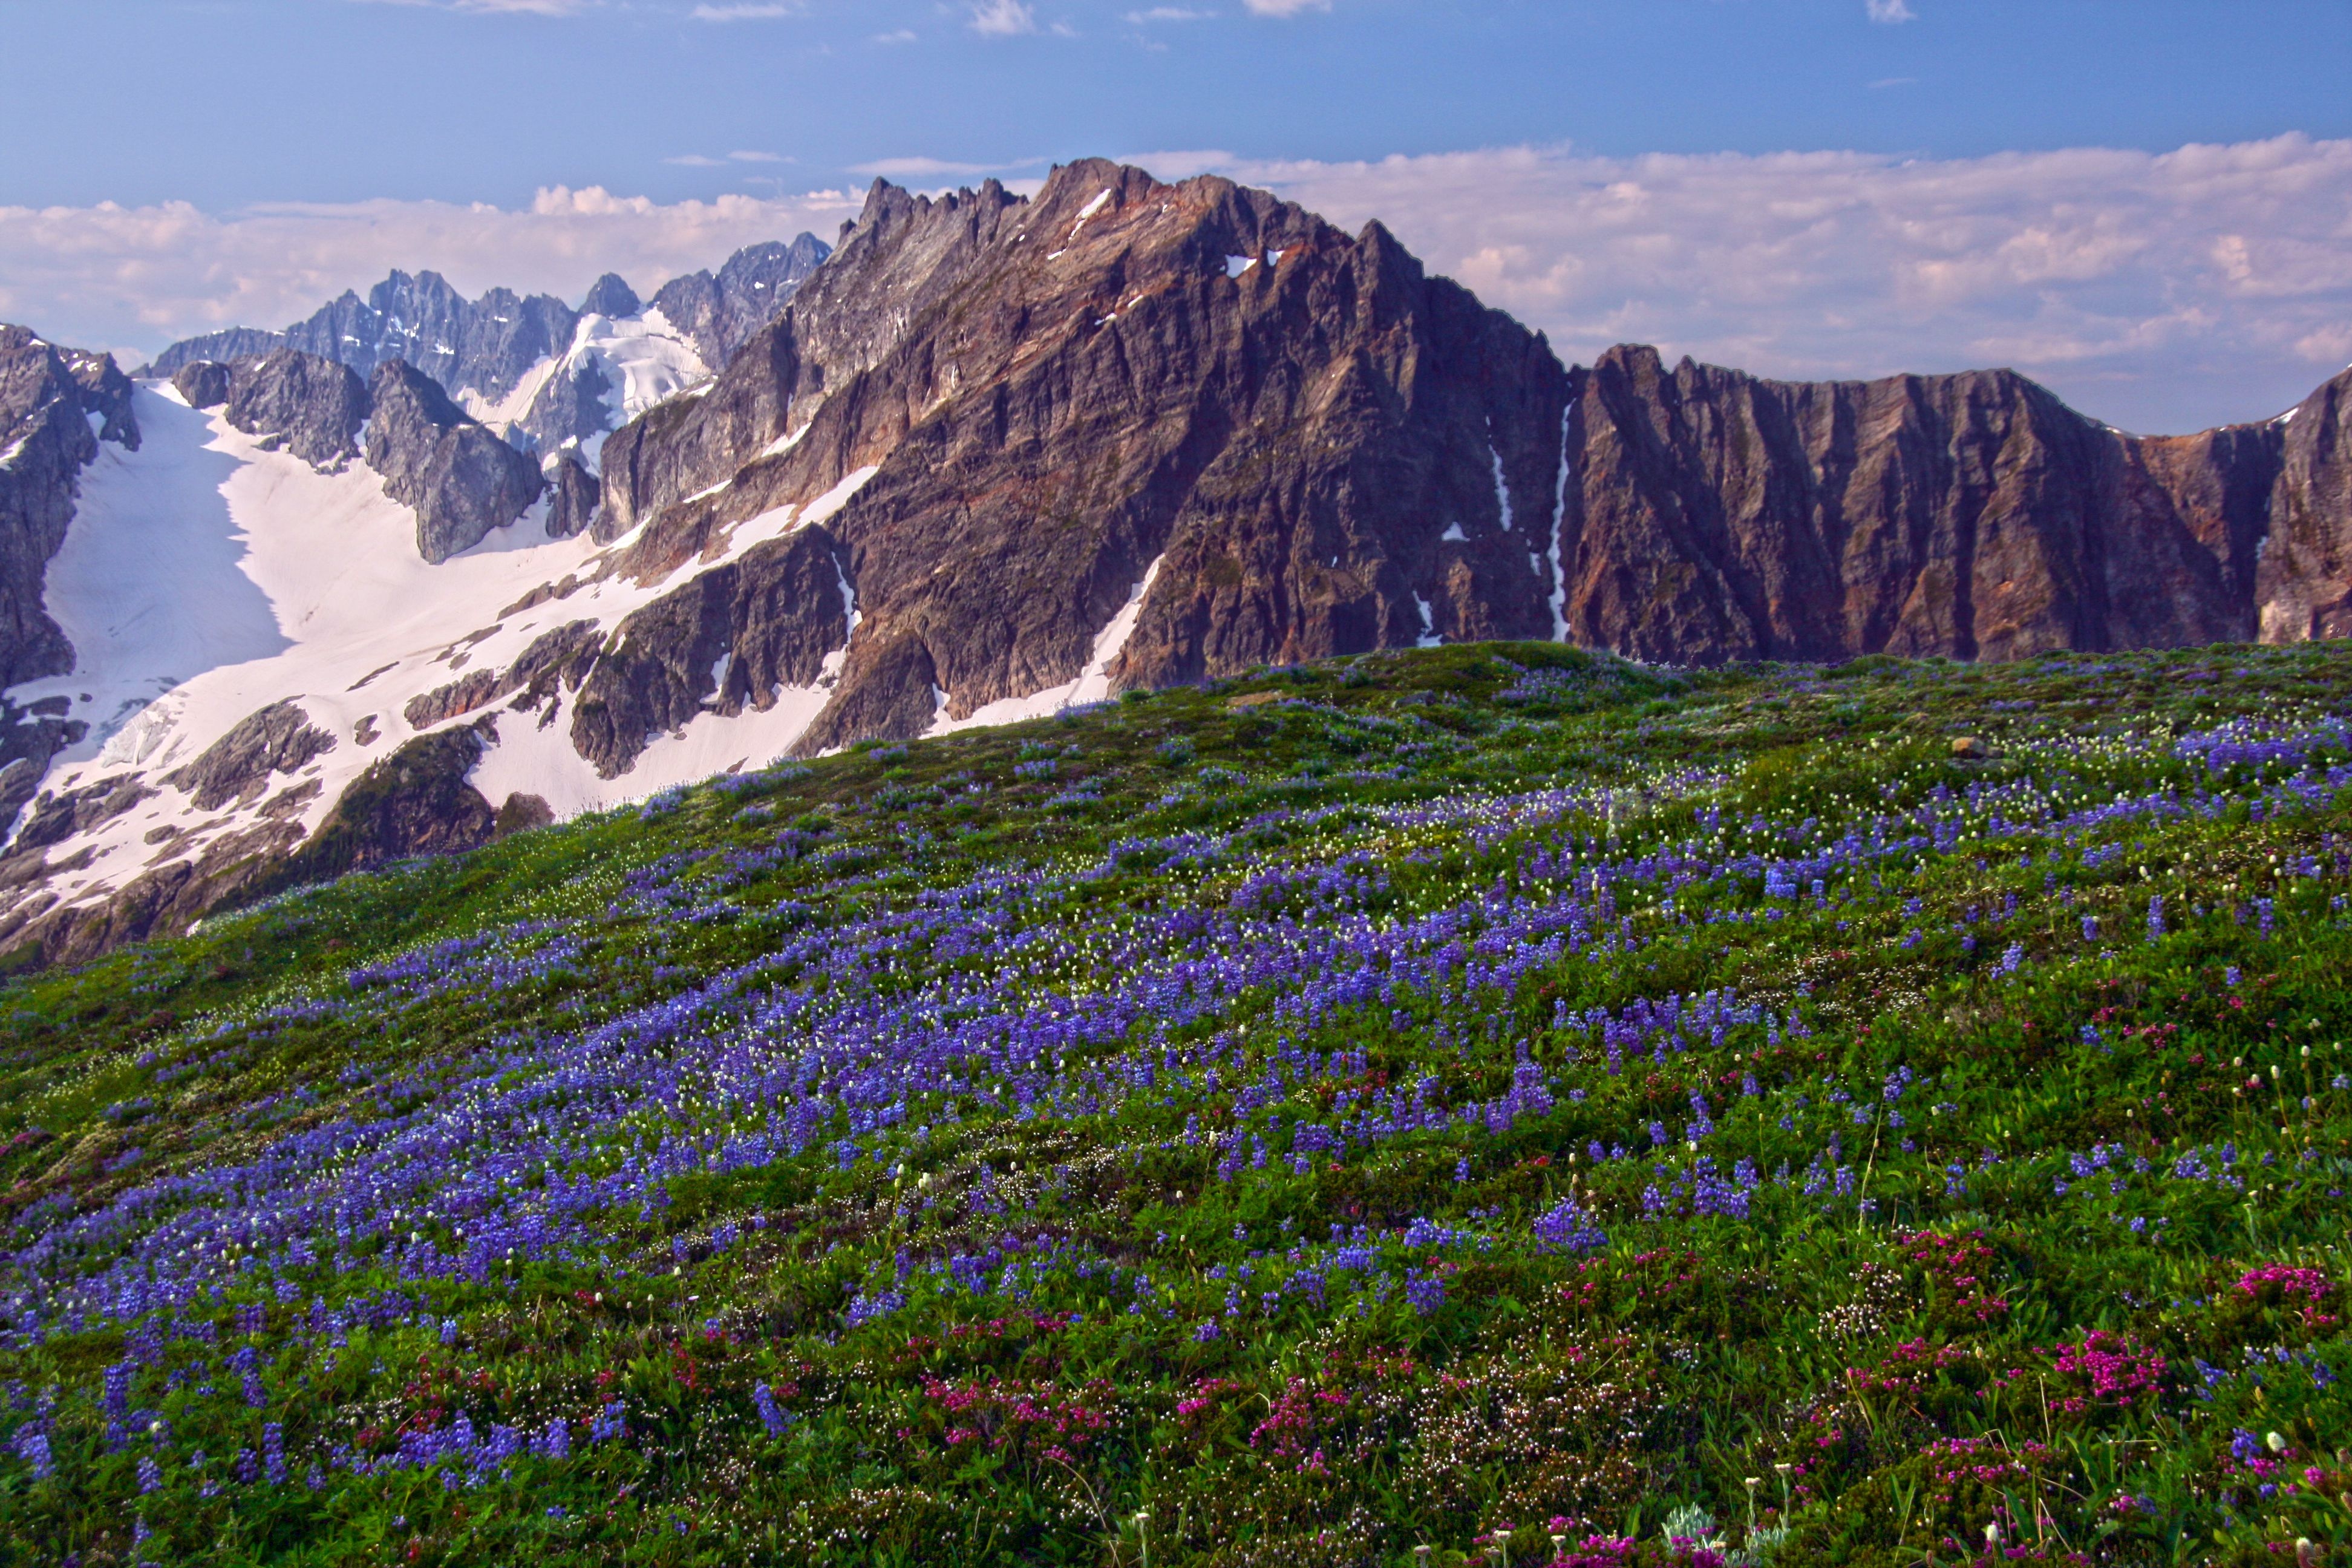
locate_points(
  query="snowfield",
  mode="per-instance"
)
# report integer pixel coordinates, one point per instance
(204, 579)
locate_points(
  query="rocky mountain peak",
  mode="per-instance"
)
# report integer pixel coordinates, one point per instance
(610, 296)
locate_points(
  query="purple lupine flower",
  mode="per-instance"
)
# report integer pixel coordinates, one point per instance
(772, 1416)
(150, 1475)
(273, 1453)
(1565, 1228)
(33, 1447)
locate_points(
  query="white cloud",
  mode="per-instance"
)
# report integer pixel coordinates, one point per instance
(1286, 8)
(744, 13)
(759, 158)
(2162, 291)
(1891, 10)
(134, 278)
(697, 161)
(900, 35)
(1002, 18)
(1167, 13)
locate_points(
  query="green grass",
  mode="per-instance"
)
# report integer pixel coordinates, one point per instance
(1967, 1224)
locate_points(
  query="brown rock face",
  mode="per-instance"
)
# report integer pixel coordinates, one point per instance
(1713, 515)
(726, 641)
(1304, 429)
(1313, 447)
(2304, 586)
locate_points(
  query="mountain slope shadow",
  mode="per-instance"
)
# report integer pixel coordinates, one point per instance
(149, 584)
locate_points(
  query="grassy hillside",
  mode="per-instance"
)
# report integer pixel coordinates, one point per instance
(1487, 1099)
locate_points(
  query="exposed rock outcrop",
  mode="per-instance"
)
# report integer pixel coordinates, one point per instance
(278, 739)
(2304, 586)
(460, 478)
(314, 405)
(726, 640)
(415, 802)
(1006, 411)
(202, 383)
(57, 817)
(1714, 515)
(610, 296)
(573, 493)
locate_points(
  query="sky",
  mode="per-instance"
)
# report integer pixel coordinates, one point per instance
(2146, 204)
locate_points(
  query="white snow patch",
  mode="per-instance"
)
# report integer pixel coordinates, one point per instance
(1429, 634)
(204, 579)
(848, 600)
(1454, 535)
(1092, 685)
(777, 521)
(1558, 524)
(1237, 264)
(834, 499)
(1502, 487)
(1092, 207)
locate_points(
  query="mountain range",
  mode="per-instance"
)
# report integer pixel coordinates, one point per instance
(420, 569)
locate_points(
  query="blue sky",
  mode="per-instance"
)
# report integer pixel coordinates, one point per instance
(1983, 181)
(223, 102)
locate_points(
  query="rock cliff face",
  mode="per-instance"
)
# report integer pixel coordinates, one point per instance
(571, 495)
(2304, 584)
(1715, 516)
(55, 405)
(725, 642)
(462, 481)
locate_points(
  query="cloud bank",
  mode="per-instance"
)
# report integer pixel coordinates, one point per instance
(2158, 292)
(2162, 292)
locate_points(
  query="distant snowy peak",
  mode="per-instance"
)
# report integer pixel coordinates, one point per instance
(532, 364)
(613, 369)
(486, 345)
